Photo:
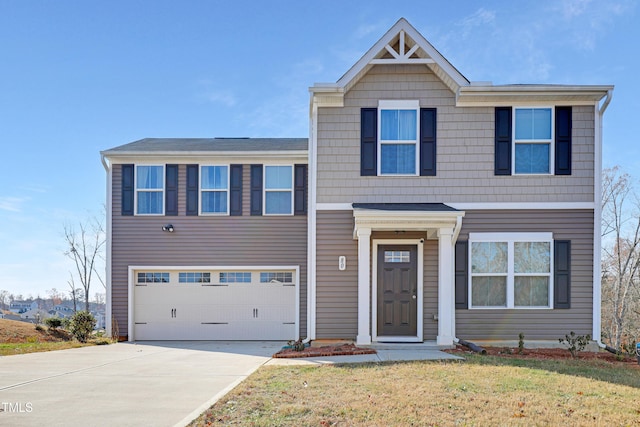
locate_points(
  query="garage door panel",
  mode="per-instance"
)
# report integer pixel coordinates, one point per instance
(234, 311)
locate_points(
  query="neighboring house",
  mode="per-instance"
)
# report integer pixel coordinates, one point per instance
(22, 306)
(423, 207)
(63, 310)
(35, 315)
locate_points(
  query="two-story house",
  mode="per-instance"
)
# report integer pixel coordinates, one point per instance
(422, 207)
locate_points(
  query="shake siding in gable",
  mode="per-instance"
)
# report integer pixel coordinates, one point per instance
(203, 240)
(465, 149)
(574, 225)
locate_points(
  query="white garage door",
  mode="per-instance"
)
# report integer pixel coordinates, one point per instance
(214, 304)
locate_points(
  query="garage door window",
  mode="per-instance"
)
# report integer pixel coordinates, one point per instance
(235, 277)
(194, 277)
(153, 277)
(276, 277)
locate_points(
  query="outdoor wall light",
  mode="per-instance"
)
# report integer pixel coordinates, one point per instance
(168, 228)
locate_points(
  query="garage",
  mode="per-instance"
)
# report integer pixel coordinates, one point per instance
(178, 303)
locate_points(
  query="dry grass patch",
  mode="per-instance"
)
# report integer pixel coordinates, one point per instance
(22, 337)
(480, 391)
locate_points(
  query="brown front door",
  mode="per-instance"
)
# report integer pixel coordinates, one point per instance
(397, 290)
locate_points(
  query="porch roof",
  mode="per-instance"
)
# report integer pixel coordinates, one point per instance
(422, 207)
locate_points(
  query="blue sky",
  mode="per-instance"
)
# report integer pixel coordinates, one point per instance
(78, 77)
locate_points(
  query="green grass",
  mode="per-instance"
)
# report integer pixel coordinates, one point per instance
(483, 390)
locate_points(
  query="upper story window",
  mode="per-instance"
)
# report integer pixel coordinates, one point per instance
(511, 270)
(533, 137)
(398, 137)
(278, 190)
(149, 190)
(214, 189)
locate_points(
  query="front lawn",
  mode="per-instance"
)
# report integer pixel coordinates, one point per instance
(483, 390)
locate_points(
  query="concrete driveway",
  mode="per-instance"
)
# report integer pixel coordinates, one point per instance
(142, 384)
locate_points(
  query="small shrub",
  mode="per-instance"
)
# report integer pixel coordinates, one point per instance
(39, 328)
(629, 347)
(66, 323)
(81, 325)
(53, 323)
(32, 339)
(520, 343)
(575, 343)
(296, 345)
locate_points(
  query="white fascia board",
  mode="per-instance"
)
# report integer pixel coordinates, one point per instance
(522, 206)
(481, 206)
(402, 25)
(299, 156)
(489, 95)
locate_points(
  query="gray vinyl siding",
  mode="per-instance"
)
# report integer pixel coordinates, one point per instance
(203, 240)
(337, 291)
(574, 225)
(465, 150)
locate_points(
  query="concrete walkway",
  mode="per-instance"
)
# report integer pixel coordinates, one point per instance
(143, 384)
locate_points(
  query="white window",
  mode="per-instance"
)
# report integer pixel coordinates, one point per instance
(276, 277)
(149, 190)
(511, 270)
(398, 130)
(214, 189)
(278, 190)
(533, 139)
(153, 277)
(235, 277)
(194, 277)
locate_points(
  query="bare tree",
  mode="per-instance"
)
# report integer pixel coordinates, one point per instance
(4, 299)
(620, 256)
(85, 249)
(73, 292)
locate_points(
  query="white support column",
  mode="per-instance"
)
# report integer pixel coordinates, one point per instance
(446, 286)
(364, 286)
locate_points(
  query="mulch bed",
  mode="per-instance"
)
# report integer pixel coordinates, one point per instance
(551, 354)
(326, 351)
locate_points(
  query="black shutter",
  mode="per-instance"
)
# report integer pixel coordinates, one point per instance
(462, 274)
(128, 192)
(369, 142)
(192, 190)
(235, 191)
(562, 274)
(428, 142)
(503, 141)
(300, 188)
(563, 141)
(171, 190)
(256, 189)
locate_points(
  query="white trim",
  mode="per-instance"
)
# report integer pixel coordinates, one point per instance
(446, 285)
(334, 206)
(410, 105)
(597, 224)
(149, 190)
(188, 157)
(364, 290)
(522, 205)
(419, 243)
(550, 142)
(200, 190)
(311, 224)
(131, 285)
(482, 206)
(108, 246)
(510, 239)
(290, 190)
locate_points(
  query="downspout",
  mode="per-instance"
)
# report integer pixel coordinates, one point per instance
(597, 220)
(311, 221)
